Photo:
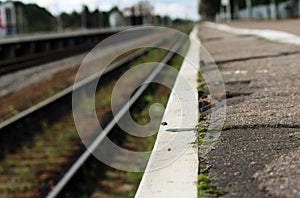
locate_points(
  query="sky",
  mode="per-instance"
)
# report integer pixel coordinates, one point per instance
(173, 8)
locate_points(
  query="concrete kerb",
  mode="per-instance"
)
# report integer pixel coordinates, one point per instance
(178, 179)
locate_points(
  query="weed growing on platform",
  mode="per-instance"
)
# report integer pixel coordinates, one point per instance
(205, 189)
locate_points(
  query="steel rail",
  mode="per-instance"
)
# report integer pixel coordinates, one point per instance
(77, 86)
(68, 90)
(82, 159)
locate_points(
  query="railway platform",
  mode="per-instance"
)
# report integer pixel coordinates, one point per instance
(257, 154)
(257, 151)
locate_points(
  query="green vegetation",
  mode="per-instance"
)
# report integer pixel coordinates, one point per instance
(202, 130)
(205, 189)
(161, 96)
(186, 28)
(93, 19)
(202, 117)
(55, 143)
(38, 19)
(140, 113)
(209, 8)
(201, 84)
(142, 117)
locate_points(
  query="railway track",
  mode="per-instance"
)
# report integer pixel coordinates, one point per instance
(30, 61)
(30, 52)
(13, 129)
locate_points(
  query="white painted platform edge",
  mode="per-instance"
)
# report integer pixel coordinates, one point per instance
(180, 177)
(272, 35)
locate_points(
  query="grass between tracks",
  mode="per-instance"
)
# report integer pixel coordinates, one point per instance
(163, 93)
(34, 169)
(117, 183)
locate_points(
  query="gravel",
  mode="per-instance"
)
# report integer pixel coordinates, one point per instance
(281, 177)
(16, 81)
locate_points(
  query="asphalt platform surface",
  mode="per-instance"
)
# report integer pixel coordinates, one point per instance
(259, 155)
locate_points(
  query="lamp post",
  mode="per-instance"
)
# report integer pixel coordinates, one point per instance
(20, 24)
(83, 18)
(226, 3)
(273, 9)
(59, 24)
(249, 8)
(99, 16)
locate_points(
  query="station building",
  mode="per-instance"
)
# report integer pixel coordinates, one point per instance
(11, 18)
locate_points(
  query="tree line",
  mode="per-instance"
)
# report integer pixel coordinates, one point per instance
(32, 18)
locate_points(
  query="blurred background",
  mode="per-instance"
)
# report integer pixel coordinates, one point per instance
(226, 10)
(31, 16)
